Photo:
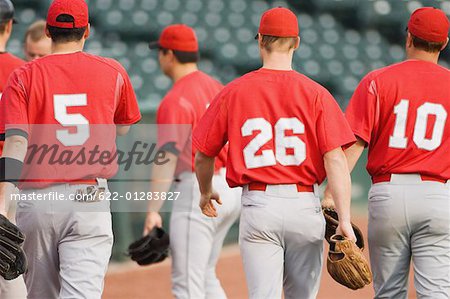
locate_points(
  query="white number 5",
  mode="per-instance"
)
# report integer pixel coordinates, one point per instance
(60, 103)
(282, 143)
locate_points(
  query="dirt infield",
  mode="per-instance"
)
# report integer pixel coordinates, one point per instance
(128, 281)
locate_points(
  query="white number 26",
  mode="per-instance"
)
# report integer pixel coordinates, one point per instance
(270, 157)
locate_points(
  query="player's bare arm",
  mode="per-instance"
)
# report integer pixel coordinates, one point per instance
(122, 130)
(15, 148)
(353, 153)
(204, 169)
(160, 181)
(340, 185)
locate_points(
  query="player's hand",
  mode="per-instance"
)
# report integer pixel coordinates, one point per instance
(327, 201)
(345, 229)
(207, 205)
(153, 219)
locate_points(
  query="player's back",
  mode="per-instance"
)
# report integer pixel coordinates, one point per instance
(80, 82)
(279, 127)
(69, 104)
(411, 127)
(186, 103)
(195, 92)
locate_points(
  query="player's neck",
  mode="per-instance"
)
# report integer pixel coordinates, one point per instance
(183, 70)
(67, 48)
(3, 44)
(278, 61)
(423, 56)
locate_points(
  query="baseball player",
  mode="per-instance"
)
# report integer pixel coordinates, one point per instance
(401, 112)
(14, 289)
(195, 240)
(283, 141)
(70, 92)
(36, 43)
(8, 62)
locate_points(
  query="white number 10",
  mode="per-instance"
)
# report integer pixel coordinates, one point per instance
(282, 142)
(399, 140)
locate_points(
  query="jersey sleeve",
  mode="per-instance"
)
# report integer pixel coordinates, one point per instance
(333, 131)
(127, 111)
(361, 111)
(174, 119)
(211, 133)
(14, 106)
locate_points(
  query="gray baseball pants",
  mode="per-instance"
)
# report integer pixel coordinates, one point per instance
(68, 246)
(281, 241)
(196, 240)
(409, 219)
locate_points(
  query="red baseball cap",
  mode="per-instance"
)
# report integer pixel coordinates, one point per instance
(280, 22)
(78, 9)
(178, 37)
(430, 24)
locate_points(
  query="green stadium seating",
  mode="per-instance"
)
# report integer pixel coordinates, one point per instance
(341, 39)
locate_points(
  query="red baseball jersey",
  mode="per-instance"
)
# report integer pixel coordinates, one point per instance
(401, 112)
(186, 103)
(279, 124)
(80, 98)
(8, 63)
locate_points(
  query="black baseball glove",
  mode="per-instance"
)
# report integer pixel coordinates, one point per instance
(153, 248)
(13, 261)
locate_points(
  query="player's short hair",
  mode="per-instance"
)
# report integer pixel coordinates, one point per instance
(65, 35)
(269, 42)
(36, 31)
(3, 25)
(421, 44)
(183, 57)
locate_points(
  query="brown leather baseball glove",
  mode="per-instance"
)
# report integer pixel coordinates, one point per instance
(347, 264)
(332, 222)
